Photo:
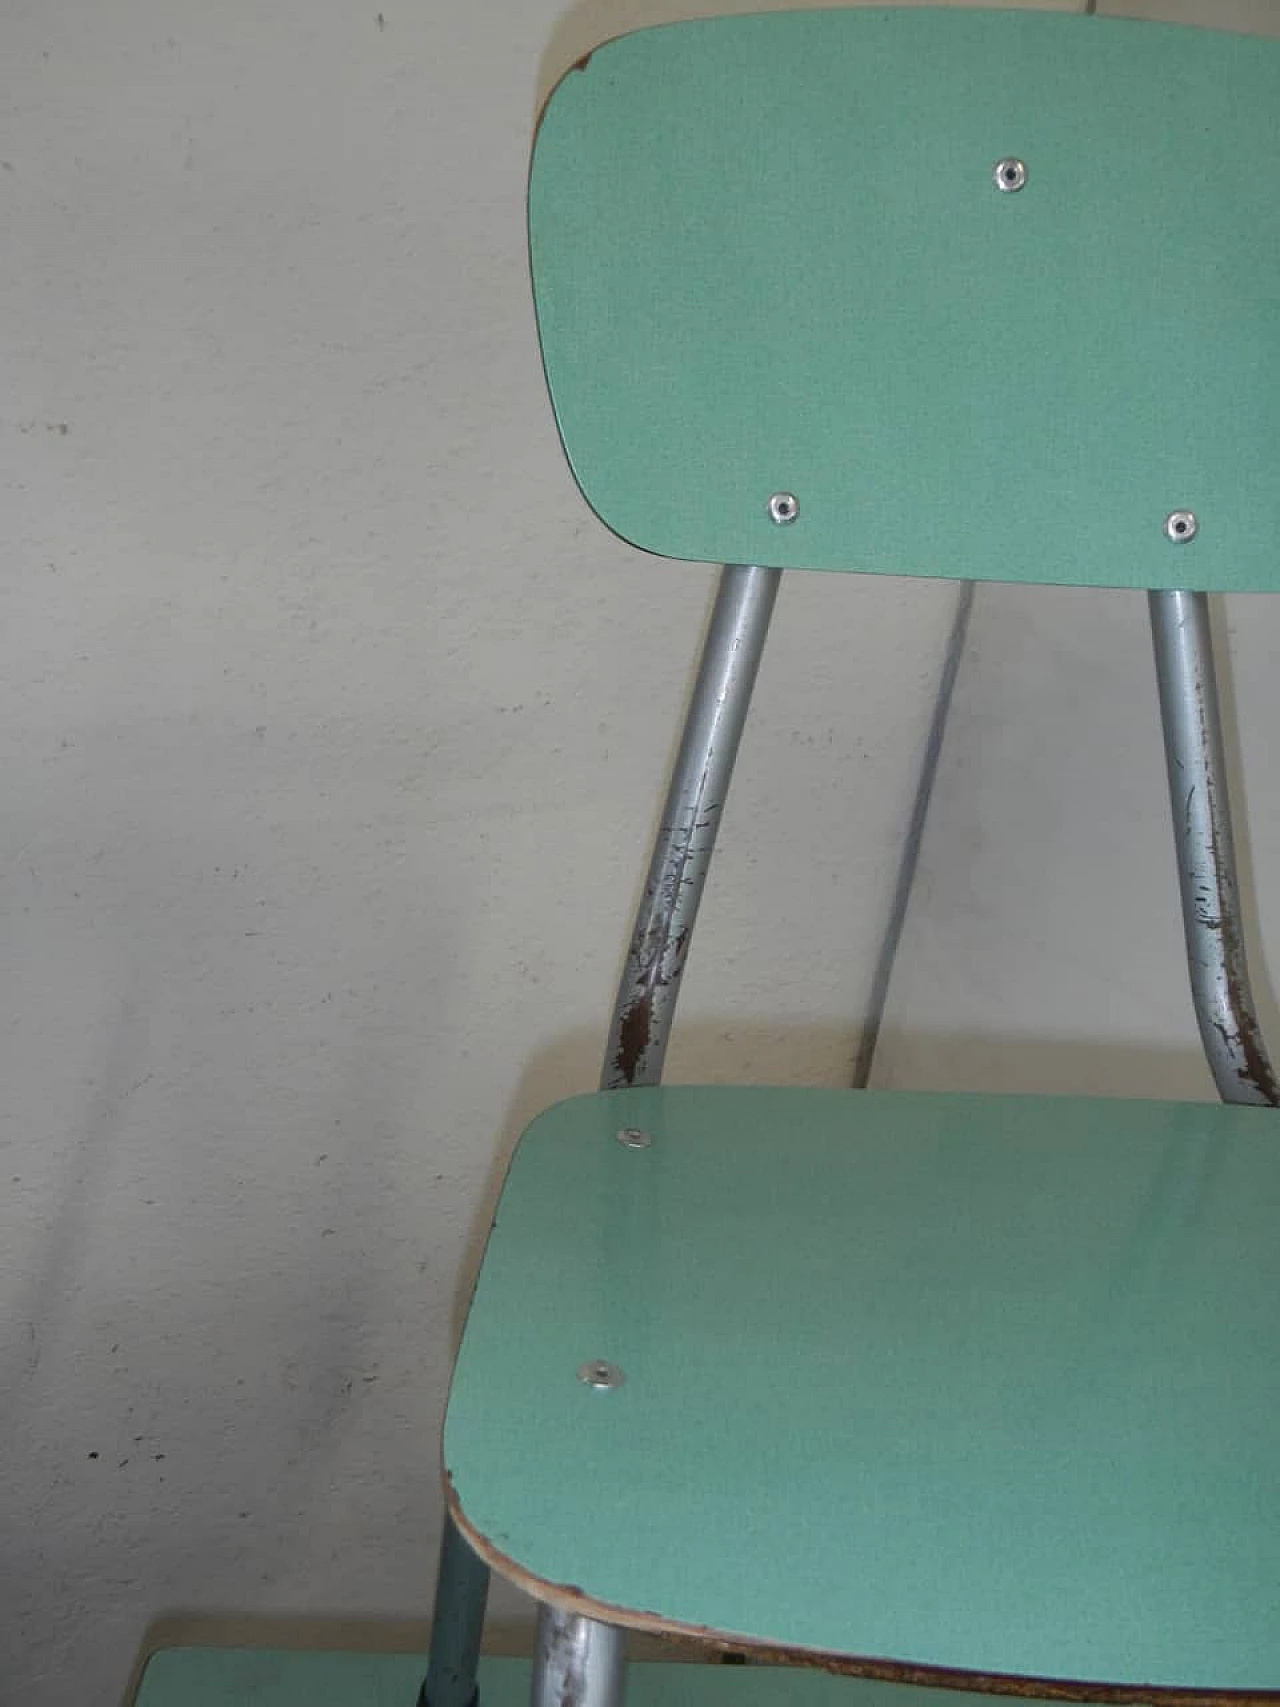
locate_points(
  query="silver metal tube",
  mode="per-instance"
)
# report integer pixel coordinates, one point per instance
(650, 983)
(462, 1590)
(577, 1662)
(1196, 762)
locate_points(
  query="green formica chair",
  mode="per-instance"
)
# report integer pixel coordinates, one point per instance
(904, 1392)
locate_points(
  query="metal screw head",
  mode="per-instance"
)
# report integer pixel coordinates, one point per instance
(601, 1375)
(784, 507)
(1181, 526)
(634, 1138)
(1009, 174)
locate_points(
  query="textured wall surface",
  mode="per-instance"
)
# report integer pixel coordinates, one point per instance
(333, 729)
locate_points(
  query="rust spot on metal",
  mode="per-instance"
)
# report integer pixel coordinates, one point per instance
(633, 1037)
(1219, 912)
(1257, 1069)
(661, 970)
(582, 64)
(655, 964)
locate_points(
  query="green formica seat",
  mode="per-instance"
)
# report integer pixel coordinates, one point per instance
(980, 1384)
(883, 1393)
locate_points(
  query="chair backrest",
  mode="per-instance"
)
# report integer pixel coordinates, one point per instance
(992, 295)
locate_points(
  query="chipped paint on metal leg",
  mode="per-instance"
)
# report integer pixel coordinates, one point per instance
(1216, 957)
(685, 841)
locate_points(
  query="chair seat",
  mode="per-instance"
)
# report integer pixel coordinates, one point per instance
(958, 1383)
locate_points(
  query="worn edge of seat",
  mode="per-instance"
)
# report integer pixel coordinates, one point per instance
(569, 1597)
(574, 1599)
(583, 60)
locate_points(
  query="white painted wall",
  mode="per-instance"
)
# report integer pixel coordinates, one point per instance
(332, 732)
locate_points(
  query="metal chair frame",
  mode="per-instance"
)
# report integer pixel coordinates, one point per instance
(577, 1659)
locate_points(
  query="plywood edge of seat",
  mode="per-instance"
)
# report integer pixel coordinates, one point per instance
(571, 1598)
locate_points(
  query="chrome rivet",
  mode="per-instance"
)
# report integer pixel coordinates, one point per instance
(634, 1138)
(1009, 174)
(1181, 526)
(784, 507)
(601, 1375)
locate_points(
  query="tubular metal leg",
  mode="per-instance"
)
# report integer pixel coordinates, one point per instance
(1216, 960)
(462, 1589)
(577, 1662)
(682, 851)
(580, 1661)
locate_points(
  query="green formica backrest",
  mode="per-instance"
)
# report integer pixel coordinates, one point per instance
(775, 258)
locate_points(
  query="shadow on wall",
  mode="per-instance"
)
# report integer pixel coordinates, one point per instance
(41, 1300)
(1022, 1066)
